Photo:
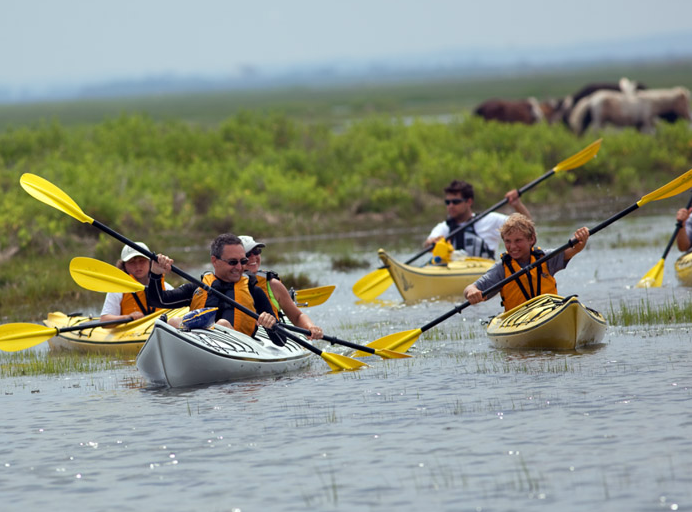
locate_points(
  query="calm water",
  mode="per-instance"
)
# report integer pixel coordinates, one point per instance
(461, 426)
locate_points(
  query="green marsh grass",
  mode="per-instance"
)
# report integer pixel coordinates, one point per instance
(644, 312)
(347, 263)
(32, 363)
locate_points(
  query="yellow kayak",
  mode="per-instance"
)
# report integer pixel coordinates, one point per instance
(126, 338)
(683, 269)
(547, 322)
(434, 281)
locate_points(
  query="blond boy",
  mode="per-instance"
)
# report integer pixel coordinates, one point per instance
(519, 236)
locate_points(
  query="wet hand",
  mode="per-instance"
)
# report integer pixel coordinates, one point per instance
(581, 235)
(266, 320)
(162, 265)
(512, 196)
(473, 294)
(432, 241)
(683, 214)
(315, 333)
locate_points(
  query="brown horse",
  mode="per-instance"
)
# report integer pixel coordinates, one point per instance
(527, 111)
(639, 109)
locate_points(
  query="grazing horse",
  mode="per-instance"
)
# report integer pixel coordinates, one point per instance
(566, 105)
(639, 109)
(527, 111)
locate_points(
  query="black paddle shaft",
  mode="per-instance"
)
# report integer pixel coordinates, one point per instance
(678, 227)
(478, 217)
(95, 324)
(497, 286)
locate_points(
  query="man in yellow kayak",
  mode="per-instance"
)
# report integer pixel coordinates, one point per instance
(227, 258)
(278, 295)
(519, 236)
(483, 237)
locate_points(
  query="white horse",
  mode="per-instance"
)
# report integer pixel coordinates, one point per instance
(640, 109)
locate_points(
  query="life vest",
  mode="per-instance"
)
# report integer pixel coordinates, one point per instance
(241, 294)
(137, 301)
(468, 240)
(263, 278)
(442, 252)
(529, 285)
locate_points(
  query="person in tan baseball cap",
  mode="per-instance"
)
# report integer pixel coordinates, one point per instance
(125, 306)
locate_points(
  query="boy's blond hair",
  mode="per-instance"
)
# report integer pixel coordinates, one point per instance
(520, 223)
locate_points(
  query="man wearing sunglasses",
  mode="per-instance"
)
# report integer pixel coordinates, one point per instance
(227, 258)
(482, 238)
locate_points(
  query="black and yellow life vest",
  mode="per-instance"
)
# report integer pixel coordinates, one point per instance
(532, 284)
(468, 240)
(137, 301)
(241, 294)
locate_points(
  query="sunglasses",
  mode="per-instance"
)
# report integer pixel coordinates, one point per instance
(233, 262)
(255, 252)
(454, 201)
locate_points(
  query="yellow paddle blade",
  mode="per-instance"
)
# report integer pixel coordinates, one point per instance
(390, 354)
(580, 158)
(373, 285)
(14, 337)
(399, 341)
(46, 192)
(654, 277)
(98, 276)
(337, 362)
(308, 297)
(679, 184)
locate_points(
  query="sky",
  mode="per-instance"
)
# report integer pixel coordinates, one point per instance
(67, 42)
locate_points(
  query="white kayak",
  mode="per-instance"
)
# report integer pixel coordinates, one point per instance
(176, 358)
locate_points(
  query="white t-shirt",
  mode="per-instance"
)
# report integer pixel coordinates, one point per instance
(111, 306)
(488, 228)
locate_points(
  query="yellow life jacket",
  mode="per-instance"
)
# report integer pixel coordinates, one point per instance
(137, 301)
(241, 294)
(529, 285)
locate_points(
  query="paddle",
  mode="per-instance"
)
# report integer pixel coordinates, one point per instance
(376, 282)
(654, 277)
(110, 278)
(20, 336)
(406, 338)
(308, 297)
(46, 192)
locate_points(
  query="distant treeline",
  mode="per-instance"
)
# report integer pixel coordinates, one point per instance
(267, 174)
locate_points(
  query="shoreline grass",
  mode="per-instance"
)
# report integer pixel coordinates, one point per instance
(644, 312)
(31, 363)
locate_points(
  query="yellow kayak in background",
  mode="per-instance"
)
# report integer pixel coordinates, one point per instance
(126, 338)
(434, 281)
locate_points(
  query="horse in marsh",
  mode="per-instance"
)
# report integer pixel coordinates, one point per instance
(528, 111)
(566, 105)
(640, 109)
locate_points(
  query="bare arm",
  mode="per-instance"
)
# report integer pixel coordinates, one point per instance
(294, 314)
(582, 235)
(515, 202)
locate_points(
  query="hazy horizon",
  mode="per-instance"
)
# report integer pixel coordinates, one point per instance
(77, 42)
